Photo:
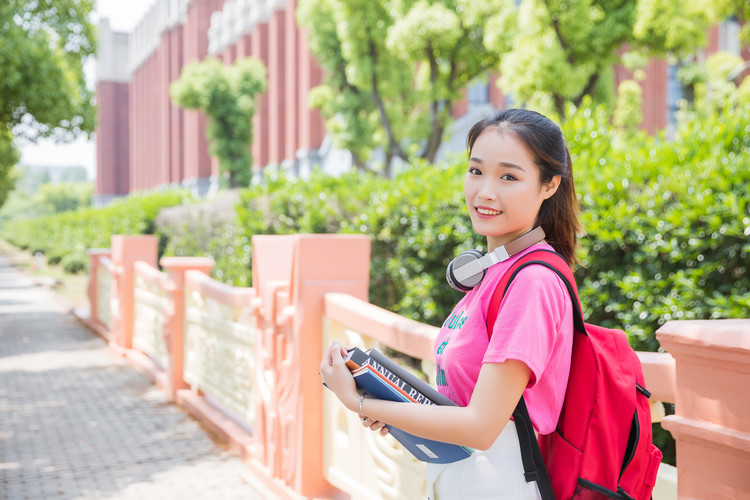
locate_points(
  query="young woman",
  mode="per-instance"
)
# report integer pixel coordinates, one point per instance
(519, 176)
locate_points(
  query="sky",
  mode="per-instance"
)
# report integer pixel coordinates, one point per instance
(123, 15)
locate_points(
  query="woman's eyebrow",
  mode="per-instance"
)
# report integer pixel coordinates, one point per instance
(500, 163)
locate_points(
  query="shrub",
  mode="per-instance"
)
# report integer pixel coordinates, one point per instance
(55, 255)
(666, 221)
(79, 230)
(206, 229)
(74, 263)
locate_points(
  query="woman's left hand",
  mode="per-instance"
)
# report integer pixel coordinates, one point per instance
(337, 376)
(374, 425)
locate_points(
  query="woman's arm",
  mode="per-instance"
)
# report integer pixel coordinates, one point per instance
(498, 389)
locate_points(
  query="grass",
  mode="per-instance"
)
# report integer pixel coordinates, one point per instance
(71, 289)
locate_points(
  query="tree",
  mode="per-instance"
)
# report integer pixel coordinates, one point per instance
(9, 156)
(63, 197)
(43, 92)
(394, 68)
(227, 95)
(564, 50)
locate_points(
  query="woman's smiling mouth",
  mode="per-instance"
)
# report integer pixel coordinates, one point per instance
(487, 212)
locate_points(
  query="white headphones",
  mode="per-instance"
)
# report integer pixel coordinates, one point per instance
(468, 269)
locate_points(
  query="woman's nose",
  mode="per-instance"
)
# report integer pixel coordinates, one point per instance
(487, 191)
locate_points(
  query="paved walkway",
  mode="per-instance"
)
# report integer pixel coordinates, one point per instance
(76, 422)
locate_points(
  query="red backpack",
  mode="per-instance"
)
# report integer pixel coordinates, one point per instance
(602, 446)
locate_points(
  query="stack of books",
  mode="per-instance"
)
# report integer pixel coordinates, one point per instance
(379, 377)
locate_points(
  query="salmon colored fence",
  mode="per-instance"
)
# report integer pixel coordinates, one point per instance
(245, 362)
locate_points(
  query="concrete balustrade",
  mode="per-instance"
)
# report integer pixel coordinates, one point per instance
(711, 424)
(245, 361)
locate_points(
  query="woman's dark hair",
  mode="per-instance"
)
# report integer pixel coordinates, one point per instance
(558, 214)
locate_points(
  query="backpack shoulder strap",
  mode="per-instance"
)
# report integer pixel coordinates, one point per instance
(550, 259)
(533, 462)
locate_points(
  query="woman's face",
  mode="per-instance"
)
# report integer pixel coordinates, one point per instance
(502, 187)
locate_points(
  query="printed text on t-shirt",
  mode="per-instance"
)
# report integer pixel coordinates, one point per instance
(456, 320)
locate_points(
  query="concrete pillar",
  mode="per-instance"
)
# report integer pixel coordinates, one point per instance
(261, 120)
(126, 251)
(176, 118)
(291, 275)
(292, 74)
(711, 424)
(276, 87)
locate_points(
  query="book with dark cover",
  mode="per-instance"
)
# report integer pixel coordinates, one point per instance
(379, 377)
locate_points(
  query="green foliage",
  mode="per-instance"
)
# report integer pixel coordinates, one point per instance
(9, 156)
(43, 47)
(628, 113)
(676, 27)
(63, 197)
(561, 49)
(43, 91)
(394, 69)
(667, 222)
(555, 52)
(208, 229)
(35, 196)
(418, 223)
(68, 235)
(74, 263)
(227, 95)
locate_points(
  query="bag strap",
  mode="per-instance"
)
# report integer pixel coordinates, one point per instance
(550, 259)
(531, 454)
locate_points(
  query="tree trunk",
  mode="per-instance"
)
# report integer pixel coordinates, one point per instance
(437, 126)
(393, 148)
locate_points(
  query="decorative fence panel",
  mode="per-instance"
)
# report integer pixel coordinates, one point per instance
(152, 307)
(220, 343)
(104, 283)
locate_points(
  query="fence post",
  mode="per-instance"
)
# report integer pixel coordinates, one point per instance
(291, 275)
(174, 327)
(711, 424)
(126, 251)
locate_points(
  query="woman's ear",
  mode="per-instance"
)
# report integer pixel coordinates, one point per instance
(551, 187)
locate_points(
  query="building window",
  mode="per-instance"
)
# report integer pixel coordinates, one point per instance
(674, 94)
(729, 36)
(478, 93)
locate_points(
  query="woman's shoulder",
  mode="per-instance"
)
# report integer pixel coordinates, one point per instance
(534, 278)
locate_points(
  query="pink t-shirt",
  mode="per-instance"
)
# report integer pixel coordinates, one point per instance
(534, 325)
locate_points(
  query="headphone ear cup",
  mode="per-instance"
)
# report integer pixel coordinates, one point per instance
(464, 258)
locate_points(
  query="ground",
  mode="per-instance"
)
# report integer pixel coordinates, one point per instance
(70, 289)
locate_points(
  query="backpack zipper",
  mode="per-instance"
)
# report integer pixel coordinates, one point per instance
(642, 390)
(635, 432)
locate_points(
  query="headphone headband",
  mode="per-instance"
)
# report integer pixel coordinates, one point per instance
(469, 269)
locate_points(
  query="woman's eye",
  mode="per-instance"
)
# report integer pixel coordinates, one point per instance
(474, 171)
(508, 177)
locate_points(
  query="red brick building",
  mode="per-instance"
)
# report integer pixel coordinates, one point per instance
(144, 141)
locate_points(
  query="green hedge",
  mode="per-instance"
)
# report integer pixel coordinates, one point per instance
(64, 238)
(667, 222)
